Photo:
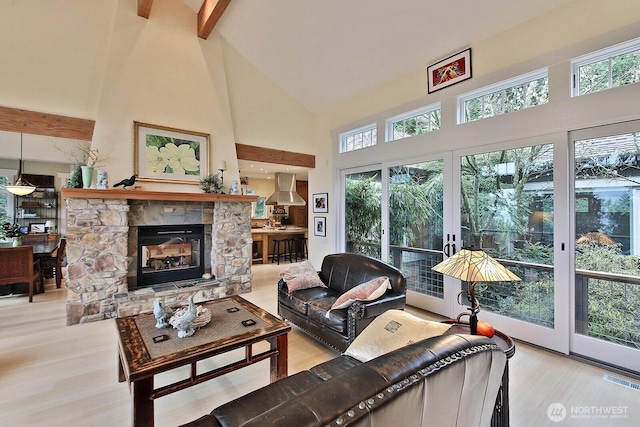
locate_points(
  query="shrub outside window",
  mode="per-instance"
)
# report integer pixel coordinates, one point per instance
(614, 66)
(356, 139)
(413, 123)
(518, 93)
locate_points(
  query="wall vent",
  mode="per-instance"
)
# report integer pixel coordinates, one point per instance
(622, 382)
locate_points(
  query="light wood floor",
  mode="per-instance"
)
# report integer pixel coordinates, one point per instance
(54, 375)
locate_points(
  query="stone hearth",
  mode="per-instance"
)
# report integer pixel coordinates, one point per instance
(101, 225)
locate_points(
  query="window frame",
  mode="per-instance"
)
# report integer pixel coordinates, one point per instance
(388, 124)
(353, 132)
(496, 87)
(606, 53)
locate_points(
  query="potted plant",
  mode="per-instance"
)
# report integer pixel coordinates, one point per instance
(12, 231)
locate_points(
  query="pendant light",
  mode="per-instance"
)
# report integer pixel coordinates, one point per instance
(21, 187)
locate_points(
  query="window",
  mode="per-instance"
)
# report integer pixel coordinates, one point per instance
(6, 198)
(413, 123)
(611, 67)
(518, 93)
(356, 139)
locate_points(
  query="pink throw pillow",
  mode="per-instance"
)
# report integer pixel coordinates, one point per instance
(367, 291)
(301, 276)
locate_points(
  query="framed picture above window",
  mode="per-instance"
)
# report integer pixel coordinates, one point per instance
(449, 71)
(170, 155)
(321, 203)
(320, 226)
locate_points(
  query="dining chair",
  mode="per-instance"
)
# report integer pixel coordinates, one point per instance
(58, 257)
(18, 266)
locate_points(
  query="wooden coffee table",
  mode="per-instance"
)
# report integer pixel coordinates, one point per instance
(141, 358)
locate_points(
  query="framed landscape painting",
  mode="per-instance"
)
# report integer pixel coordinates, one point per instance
(170, 155)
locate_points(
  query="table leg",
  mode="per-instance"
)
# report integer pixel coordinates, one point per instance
(142, 402)
(265, 248)
(279, 362)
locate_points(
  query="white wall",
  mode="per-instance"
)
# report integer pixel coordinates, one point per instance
(98, 60)
(550, 40)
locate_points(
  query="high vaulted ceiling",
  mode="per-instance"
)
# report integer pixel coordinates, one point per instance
(323, 52)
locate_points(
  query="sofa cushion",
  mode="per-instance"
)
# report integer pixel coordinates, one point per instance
(368, 291)
(391, 330)
(299, 300)
(301, 276)
(318, 310)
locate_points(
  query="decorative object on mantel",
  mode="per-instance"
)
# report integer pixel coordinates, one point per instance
(161, 313)
(103, 180)
(222, 166)
(75, 181)
(127, 182)
(234, 188)
(211, 184)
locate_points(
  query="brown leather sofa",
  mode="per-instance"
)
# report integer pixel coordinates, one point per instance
(447, 380)
(307, 308)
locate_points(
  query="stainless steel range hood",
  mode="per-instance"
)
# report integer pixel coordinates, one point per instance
(285, 193)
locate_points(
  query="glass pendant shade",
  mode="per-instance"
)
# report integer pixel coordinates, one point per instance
(21, 187)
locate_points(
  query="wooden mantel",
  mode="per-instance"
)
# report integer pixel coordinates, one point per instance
(89, 193)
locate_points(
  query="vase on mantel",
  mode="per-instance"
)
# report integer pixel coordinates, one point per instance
(87, 176)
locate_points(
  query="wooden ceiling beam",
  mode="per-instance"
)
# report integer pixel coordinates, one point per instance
(280, 157)
(209, 15)
(144, 8)
(24, 121)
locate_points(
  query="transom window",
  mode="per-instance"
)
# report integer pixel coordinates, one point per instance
(614, 66)
(413, 123)
(356, 139)
(518, 93)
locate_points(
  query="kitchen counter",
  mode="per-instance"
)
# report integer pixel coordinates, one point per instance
(264, 238)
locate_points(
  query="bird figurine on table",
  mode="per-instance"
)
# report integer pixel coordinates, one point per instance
(126, 182)
(161, 314)
(183, 318)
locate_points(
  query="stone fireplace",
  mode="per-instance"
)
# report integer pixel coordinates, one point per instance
(102, 248)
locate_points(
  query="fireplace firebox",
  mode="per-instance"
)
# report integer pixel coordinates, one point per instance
(170, 253)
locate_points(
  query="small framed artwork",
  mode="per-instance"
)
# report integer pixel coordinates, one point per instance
(321, 203)
(449, 71)
(36, 228)
(320, 226)
(170, 155)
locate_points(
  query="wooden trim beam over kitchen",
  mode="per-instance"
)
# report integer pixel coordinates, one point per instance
(209, 15)
(24, 121)
(144, 8)
(280, 157)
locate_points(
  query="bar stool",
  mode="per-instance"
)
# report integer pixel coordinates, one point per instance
(299, 248)
(283, 250)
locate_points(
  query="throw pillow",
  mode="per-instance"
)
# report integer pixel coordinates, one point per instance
(367, 291)
(301, 276)
(391, 330)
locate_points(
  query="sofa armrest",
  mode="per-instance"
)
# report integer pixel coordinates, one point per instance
(372, 309)
(203, 421)
(282, 285)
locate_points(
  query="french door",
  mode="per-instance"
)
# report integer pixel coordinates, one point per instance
(606, 263)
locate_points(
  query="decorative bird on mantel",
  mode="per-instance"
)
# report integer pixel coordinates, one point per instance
(126, 182)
